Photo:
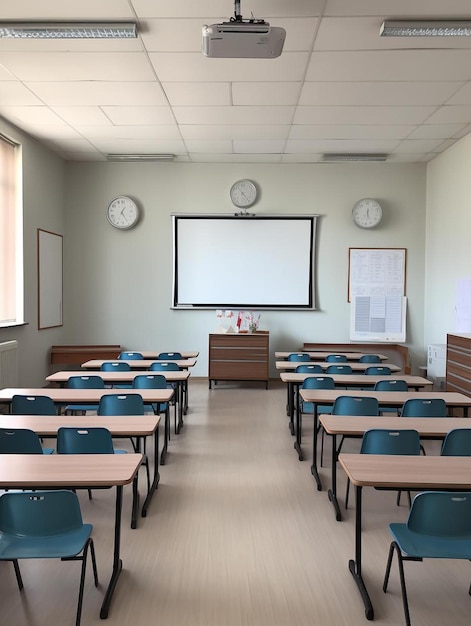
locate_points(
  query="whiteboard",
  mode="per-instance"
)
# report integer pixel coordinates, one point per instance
(229, 262)
(49, 279)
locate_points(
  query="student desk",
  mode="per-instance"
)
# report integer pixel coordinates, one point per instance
(321, 356)
(358, 368)
(296, 379)
(398, 472)
(180, 378)
(73, 471)
(385, 398)
(355, 426)
(120, 426)
(153, 354)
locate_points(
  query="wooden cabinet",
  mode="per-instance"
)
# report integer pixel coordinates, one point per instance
(238, 357)
(458, 363)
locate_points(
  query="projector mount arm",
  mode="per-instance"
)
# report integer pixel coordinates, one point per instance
(238, 16)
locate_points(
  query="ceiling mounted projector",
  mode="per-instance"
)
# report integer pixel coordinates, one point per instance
(243, 39)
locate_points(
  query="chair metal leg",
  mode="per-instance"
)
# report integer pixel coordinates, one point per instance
(83, 558)
(395, 547)
(18, 574)
(347, 492)
(92, 554)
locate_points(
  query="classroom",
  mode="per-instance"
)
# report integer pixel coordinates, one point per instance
(117, 284)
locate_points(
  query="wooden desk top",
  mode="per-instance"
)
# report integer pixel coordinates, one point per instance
(67, 470)
(95, 364)
(321, 356)
(390, 398)
(355, 379)
(425, 426)
(118, 425)
(408, 472)
(84, 396)
(356, 367)
(117, 377)
(153, 354)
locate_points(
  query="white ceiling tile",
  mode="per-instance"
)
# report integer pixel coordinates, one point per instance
(131, 132)
(139, 146)
(436, 131)
(77, 11)
(31, 114)
(265, 93)
(361, 115)
(197, 94)
(301, 158)
(234, 115)
(402, 8)
(418, 145)
(259, 147)
(139, 115)
(338, 145)
(343, 131)
(451, 115)
(214, 147)
(82, 116)
(235, 158)
(379, 93)
(89, 93)
(13, 93)
(462, 96)
(209, 131)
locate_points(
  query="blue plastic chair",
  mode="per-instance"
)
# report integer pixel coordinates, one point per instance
(339, 369)
(385, 441)
(131, 356)
(45, 525)
(116, 366)
(415, 407)
(336, 358)
(438, 527)
(299, 356)
(158, 366)
(378, 370)
(457, 443)
(307, 368)
(318, 382)
(176, 356)
(353, 405)
(393, 384)
(33, 405)
(84, 382)
(369, 358)
(21, 441)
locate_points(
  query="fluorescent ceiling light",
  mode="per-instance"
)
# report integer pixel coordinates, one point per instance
(354, 157)
(68, 30)
(420, 28)
(140, 157)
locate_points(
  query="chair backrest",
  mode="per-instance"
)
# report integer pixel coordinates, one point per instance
(149, 381)
(121, 404)
(94, 440)
(385, 441)
(306, 368)
(457, 443)
(416, 407)
(38, 514)
(86, 382)
(351, 405)
(378, 370)
(444, 514)
(19, 441)
(131, 356)
(339, 369)
(170, 355)
(336, 358)
(299, 356)
(164, 367)
(33, 405)
(318, 382)
(115, 366)
(369, 358)
(391, 385)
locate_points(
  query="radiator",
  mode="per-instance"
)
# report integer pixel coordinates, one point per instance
(9, 364)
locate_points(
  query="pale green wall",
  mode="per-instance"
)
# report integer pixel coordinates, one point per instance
(448, 229)
(118, 287)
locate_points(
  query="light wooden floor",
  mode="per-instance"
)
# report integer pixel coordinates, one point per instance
(237, 535)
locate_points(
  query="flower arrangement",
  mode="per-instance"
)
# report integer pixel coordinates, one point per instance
(253, 322)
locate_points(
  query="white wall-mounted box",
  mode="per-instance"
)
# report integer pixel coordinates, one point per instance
(436, 360)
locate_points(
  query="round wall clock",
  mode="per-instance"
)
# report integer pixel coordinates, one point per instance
(367, 213)
(244, 193)
(123, 213)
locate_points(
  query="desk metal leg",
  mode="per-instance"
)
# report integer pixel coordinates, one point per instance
(314, 471)
(299, 427)
(179, 402)
(117, 562)
(166, 435)
(185, 395)
(354, 565)
(290, 407)
(332, 493)
(156, 478)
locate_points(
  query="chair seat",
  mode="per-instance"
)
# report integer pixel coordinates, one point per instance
(417, 545)
(308, 407)
(46, 547)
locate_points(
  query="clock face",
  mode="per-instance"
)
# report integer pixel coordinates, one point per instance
(122, 213)
(243, 193)
(367, 213)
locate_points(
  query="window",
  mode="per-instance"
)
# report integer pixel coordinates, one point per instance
(11, 234)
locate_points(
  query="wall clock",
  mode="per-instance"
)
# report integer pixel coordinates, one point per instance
(123, 213)
(367, 213)
(244, 193)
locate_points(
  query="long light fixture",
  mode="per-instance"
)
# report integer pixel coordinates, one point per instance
(140, 157)
(339, 157)
(68, 30)
(431, 28)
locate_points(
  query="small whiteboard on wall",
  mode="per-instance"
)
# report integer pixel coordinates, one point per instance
(49, 279)
(376, 291)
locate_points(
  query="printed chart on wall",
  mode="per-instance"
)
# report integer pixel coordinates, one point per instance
(376, 292)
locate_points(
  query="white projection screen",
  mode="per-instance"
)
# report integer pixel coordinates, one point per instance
(242, 262)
